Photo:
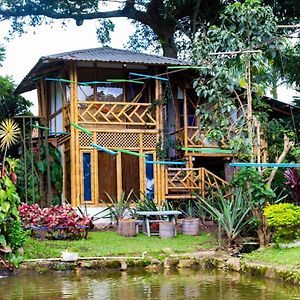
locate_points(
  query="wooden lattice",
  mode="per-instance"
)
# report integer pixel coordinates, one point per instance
(116, 113)
(85, 140)
(150, 140)
(118, 139)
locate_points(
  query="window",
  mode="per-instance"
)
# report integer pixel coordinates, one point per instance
(109, 94)
(87, 177)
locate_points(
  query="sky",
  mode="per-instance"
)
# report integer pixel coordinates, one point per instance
(22, 53)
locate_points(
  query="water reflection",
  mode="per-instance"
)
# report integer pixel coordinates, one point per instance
(171, 285)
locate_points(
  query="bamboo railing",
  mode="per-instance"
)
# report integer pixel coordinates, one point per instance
(184, 182)
(197, 137)
(116, 113)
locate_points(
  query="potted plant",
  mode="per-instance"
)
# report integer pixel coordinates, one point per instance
(191, 223)
(120, 210)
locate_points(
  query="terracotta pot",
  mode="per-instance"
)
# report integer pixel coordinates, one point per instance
(191, 226)
(126, 227)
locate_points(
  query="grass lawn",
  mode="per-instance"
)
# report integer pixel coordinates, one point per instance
(111, 244)
(276, 256)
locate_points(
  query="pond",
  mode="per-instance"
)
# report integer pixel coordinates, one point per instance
(171, 285)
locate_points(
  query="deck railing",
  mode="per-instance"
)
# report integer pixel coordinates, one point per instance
(196, 137)
(185, 182)
(116, 113)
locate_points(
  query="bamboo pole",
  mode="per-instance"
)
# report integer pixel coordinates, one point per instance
(72, 141)
(79, 176)
(119, 175)
(249, 108)
(185, 121)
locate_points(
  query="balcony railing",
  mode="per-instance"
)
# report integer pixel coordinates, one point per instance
(190, 181)
(196, 137)
(116, 113)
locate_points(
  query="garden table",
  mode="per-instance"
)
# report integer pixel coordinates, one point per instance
(170, 214)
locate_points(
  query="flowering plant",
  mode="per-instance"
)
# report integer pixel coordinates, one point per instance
(59, 222)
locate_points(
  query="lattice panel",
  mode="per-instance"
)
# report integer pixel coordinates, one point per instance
(149, 140)
(118, 139)
(85, 140)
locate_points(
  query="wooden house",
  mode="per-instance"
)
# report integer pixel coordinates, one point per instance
(124, 101)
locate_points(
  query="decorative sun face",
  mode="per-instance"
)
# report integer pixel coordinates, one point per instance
(9, 133)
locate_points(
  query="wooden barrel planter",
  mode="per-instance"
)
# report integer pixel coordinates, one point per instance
(126, 227)
(191, 226)
(167, 230)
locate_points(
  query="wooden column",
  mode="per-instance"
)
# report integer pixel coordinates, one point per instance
(74, 145)
(185, 119)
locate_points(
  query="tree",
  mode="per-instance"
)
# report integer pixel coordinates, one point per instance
(11, 104)
(237, 65)
(172, 24)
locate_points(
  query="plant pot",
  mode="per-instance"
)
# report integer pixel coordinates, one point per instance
(191, 226)
(126, 227)
(167, 230)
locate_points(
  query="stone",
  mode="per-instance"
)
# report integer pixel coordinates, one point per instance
(187, 263)
(123, 266)
(233, 263)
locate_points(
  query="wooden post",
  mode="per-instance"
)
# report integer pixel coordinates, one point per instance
(249, 108)
(73, 140)
(119, 175)
(185, 119)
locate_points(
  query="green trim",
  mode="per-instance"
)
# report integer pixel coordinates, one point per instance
(125, 80)
(130, 152)
(209, 150)
(40, 127)
(81, 129)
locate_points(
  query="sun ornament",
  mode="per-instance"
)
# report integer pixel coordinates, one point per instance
(9, 133)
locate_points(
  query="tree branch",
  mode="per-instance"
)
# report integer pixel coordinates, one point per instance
(287, 146)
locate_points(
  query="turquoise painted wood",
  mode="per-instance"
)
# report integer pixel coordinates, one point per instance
(266, 165)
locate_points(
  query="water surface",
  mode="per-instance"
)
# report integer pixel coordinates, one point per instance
(171, 285)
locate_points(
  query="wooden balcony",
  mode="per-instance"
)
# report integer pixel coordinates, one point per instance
(194, 137)
(117, 113)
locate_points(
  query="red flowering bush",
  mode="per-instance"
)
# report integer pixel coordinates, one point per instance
(56, 222)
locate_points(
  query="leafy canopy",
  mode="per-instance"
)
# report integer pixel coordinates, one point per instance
(224, 79)
(170, 25)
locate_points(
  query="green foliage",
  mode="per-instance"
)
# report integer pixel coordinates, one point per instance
(252, 183)
(284, 218)
(232, 213)
(223, 79)
(11, 233)
(35, 170)
(117, 209)
(10, 104)
(28, 178)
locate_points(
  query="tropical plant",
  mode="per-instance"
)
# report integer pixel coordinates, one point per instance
(293, 181)
(231, 213)
(145, 203)
(258, 195)
(118, 209)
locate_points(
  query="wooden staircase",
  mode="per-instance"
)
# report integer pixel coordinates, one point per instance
(184, 183)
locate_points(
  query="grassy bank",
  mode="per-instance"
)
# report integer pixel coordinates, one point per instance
(111, 244)
(281, 257)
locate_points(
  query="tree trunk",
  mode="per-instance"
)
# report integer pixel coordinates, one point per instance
(263, 231)
(170, 50)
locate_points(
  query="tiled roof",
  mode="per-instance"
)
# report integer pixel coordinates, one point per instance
(107, 54)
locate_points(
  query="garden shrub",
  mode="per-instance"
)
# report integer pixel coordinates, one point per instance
(55, 222)
(284, 218)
